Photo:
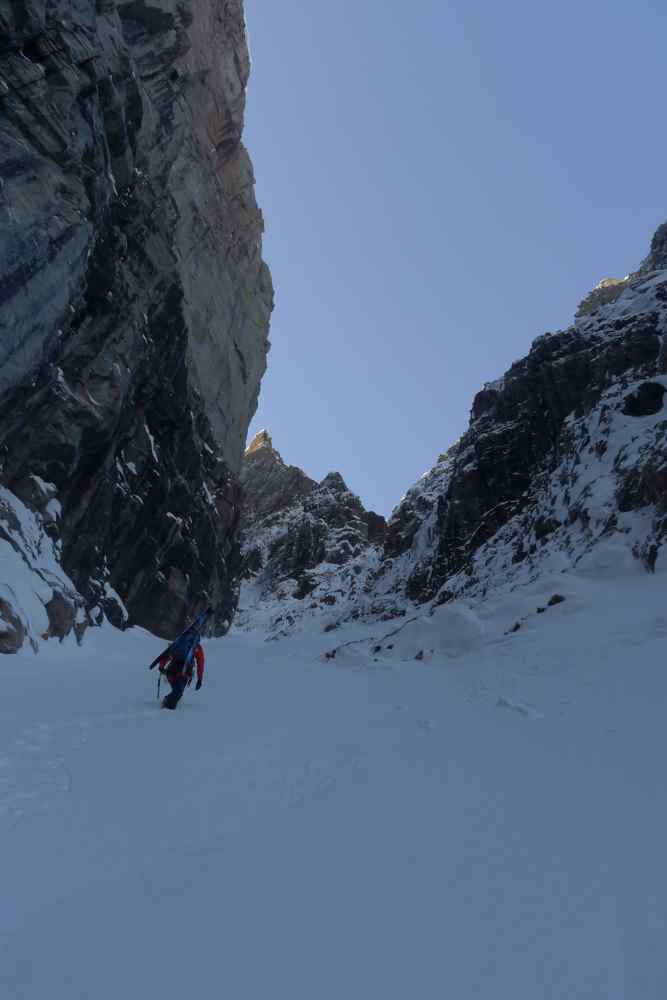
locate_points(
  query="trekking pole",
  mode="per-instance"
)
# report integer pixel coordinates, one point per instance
(159, 678)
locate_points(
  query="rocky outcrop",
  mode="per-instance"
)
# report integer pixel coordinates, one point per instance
(134, 302)
(37, 599)
(562, 468)
(607, 290)
(657, 256)
(305, 544)
(546, 443)
(269, 485)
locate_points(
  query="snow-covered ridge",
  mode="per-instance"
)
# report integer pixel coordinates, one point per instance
(564, 465)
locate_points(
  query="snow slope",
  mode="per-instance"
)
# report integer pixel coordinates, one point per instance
(487, 822)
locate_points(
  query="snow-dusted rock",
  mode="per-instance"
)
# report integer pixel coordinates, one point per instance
(37, 599)
(305, 545)
(134, 302)
(563, 469)
(569, 447)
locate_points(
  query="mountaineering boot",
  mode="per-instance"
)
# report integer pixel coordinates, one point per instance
(178, 685)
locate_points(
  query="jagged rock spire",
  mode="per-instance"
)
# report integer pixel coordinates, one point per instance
(261, 440)
(334, 481)
(295, 529)
(269, 483)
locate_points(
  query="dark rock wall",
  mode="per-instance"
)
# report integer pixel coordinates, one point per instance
(296, 531)
(134, 302)
(518, 433)
(564, 462)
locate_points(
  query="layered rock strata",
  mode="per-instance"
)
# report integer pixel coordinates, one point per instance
(134, 302)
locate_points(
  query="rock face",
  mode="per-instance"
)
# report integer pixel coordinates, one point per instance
(134, 302)
(270, 486)
(564, 465)
(557, 452)
(305, 544)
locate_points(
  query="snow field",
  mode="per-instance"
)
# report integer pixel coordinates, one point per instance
(488, 822)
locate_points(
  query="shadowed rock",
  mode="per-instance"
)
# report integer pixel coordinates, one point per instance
(645, 401)
(134, 302)
(293, 526)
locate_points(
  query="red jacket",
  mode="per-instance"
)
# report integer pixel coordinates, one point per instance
(175, 671)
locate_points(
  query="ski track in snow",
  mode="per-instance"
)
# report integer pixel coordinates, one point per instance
(488, 823)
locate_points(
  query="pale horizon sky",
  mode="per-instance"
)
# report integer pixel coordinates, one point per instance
(440, 187)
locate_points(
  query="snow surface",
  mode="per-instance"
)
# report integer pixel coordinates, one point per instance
(488, 822)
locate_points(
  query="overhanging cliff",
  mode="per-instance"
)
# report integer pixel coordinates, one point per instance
(134, 305)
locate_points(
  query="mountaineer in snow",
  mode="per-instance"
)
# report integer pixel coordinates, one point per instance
(177, 660)
(179, 674)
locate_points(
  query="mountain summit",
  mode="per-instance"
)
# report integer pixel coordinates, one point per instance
(269, 484)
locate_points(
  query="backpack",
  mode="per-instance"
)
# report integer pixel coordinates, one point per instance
(182, 649)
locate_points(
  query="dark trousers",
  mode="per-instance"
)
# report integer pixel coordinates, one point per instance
(178, 684)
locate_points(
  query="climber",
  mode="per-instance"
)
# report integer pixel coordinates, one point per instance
(179, 674)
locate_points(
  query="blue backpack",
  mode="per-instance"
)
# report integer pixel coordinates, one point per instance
(182, 649)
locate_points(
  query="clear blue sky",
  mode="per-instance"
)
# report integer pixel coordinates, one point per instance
(442, 182)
